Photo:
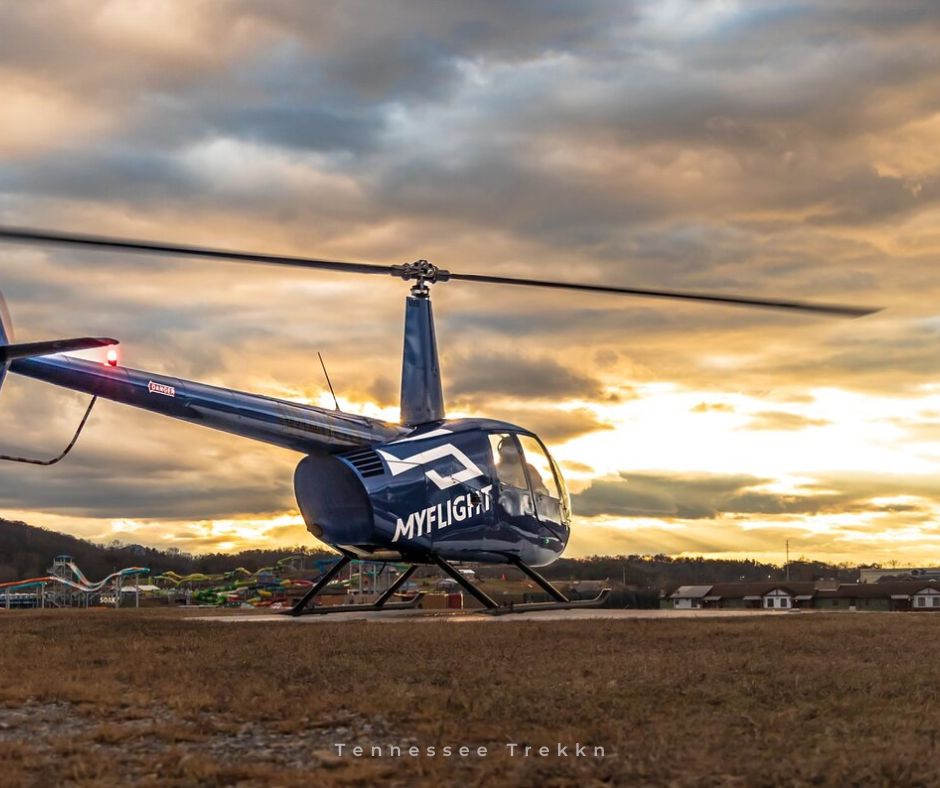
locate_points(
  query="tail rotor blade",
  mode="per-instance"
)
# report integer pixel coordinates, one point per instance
(31, 349)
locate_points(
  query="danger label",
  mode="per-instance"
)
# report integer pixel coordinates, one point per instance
(159, 388)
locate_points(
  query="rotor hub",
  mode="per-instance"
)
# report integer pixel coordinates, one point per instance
(422, 273)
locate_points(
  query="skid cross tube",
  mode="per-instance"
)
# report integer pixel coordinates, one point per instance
(399, 582)
(322, 583)
(544, 584)
(481, 596)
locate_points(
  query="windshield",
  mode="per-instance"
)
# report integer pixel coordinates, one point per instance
(541, 473)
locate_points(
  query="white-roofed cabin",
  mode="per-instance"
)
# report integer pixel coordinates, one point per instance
(778, 599)
(926, 599)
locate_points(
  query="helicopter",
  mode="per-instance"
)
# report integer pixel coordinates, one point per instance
(426, 491)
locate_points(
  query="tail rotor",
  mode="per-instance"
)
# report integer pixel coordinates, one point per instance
(6, 335)
(10, 351)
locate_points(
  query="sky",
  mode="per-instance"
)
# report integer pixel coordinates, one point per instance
(783, 149)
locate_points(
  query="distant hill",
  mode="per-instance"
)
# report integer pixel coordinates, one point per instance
(28, 551)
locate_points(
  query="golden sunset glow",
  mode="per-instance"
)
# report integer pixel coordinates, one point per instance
(714, 146)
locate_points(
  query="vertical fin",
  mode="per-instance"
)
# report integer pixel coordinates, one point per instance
(422, 398)
(6, 324)
(6, 334)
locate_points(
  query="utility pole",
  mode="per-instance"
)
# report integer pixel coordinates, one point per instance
(788, 560)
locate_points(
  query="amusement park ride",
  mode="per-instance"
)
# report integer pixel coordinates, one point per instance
(428, 490)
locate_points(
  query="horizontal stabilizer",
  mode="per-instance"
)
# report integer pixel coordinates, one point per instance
(29, 349)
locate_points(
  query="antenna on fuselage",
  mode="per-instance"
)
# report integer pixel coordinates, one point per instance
(328, 383)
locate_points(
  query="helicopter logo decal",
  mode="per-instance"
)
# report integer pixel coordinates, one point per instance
(441, 515)
(398, 465)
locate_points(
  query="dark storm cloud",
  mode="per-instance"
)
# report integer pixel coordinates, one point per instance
(553, 425)
(302, 127)
(707, 496)
(111, 175)
(645, 495)
(502, 375)
(895, 359)
(127, 467)
(359, 32)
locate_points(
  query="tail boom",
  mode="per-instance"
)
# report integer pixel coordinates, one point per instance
(302, 428)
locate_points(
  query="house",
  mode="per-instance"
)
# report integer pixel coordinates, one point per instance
(688, 597)
(766, 596)
(923, 595)
(927, 598)
(888, 595)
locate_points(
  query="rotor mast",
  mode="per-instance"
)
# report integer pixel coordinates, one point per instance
(422, 396)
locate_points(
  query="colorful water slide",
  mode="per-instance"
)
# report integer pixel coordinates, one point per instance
(77, 572)
(84, 586)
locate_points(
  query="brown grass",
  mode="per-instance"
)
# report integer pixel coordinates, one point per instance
(115, 697)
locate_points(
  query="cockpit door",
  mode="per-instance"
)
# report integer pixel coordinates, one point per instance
(515, 501)
(529, 491)
(550, 506)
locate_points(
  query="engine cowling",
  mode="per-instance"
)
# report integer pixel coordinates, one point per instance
(333, 501)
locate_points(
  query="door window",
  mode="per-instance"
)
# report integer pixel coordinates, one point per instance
(509, 466)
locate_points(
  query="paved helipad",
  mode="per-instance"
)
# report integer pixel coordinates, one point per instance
(464, 616)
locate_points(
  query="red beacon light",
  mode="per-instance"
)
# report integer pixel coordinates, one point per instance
(112, 358)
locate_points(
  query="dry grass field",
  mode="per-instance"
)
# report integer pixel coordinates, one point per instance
(152, 698)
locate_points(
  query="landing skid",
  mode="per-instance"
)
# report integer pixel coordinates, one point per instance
(305, 606)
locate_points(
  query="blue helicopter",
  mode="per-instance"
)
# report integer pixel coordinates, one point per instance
(427, 490)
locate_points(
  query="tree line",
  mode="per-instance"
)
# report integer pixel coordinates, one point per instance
(28, 551)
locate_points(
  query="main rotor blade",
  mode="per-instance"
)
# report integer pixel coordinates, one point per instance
(28, 235)
(420, 271)
(841, 310)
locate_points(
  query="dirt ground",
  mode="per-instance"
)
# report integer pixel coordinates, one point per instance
(153, 697)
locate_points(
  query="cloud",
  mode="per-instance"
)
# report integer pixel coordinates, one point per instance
(787, 152)
(553, 425)
(779, 420)
(687, 496)
(713, 407)
(645, 495)
(126, 467)
(520, 376)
